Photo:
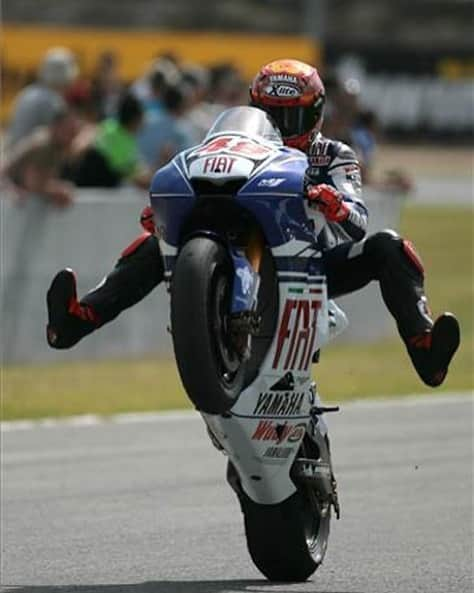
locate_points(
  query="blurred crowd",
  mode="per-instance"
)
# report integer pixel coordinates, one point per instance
(68, 130)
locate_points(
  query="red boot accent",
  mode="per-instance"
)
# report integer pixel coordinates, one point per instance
(431, 352)
(84, 312)
(421, 341)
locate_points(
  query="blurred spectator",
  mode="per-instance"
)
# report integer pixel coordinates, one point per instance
(218, 89)
(106, 85)
(166, 132)
(199, 115)
(340, 109)
(113, 155)
(227, 87)
(363, 141)
(38, 103)
(165, 67)
(163, 76)
(79, 97)
(363, 135)
(35, 163)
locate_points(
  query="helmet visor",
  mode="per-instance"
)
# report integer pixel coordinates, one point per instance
(293, 120)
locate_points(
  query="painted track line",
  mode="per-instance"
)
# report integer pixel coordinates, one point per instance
(186, 415)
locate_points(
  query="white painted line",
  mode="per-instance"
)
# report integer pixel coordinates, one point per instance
(415, 399)
(185, 415)
(94, 420)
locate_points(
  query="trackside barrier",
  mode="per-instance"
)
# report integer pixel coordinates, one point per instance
(38, 240)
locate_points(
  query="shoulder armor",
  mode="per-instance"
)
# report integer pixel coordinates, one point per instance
(344, 153)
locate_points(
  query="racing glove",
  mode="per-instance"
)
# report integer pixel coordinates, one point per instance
(329, 201)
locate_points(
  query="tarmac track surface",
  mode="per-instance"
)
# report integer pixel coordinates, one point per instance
(143, 507)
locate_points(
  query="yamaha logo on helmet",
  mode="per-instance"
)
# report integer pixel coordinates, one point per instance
(282, 90)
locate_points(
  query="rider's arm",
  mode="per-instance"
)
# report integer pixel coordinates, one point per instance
(343, 174)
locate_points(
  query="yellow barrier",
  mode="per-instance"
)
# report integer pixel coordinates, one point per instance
(22, 47)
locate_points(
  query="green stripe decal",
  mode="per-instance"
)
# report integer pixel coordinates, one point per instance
(296, 290)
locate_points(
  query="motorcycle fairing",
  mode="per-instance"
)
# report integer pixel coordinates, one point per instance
(263, 431)
(278, 208)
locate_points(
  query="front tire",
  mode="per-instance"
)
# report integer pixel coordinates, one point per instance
(211, 371)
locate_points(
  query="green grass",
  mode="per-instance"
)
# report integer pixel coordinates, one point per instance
(442, 235)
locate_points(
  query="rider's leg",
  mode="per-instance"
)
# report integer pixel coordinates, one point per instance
(137, 272)
(391, 260)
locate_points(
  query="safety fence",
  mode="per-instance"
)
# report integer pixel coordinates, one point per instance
(38, 240)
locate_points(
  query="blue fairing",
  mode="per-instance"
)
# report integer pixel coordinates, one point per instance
(279, 209)
(273, 194)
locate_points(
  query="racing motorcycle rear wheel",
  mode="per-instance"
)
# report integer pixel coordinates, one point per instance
(287, 541)
(211, 371)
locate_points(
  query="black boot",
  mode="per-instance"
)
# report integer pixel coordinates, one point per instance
(432, 351)
(68, 320)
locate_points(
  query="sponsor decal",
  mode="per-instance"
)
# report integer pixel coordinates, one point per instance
(282, 90)
(218, 164)
(286, 383)
(296, 334)
(272, 431)
(291, 78)
(320, 147)
(319, 160)
(271, 182)
(285, 403)
(278, 452)
(297, 433)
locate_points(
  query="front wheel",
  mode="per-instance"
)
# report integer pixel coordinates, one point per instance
(211, 370)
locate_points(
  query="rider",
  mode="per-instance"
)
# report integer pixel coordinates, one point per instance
(292, 93)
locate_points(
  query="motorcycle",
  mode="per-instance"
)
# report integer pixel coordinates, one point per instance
(249, 314)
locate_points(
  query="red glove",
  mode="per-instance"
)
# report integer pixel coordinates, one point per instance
(147, 220)
(329, 201)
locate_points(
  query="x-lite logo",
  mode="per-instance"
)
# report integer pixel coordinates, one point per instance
(297, 334)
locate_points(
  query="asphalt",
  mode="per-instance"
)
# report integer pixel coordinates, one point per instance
(143, 507)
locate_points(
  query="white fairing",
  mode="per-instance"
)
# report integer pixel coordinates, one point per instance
(226, 156)
(264, 430)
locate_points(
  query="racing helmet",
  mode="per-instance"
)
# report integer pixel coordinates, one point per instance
(292, 93)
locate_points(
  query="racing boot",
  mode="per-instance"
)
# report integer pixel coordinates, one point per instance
(432, 351)
(68, 320)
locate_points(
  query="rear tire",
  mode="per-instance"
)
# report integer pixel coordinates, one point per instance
(210, 370)
(278, 539)
(287, 541)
